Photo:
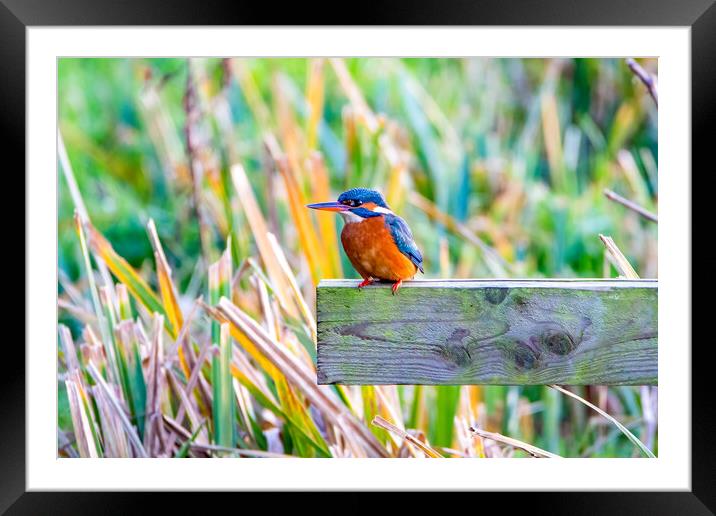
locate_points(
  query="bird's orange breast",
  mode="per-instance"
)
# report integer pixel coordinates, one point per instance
(372, 251)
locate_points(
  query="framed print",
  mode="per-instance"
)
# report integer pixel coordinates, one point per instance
(279, 252)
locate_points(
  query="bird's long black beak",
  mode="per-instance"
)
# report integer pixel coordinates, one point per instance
(328, 206)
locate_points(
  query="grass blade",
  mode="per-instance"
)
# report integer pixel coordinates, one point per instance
(387, 425)
(326, 221)
(130, 359)
(259, 228)
(314, 99)
(447, 398)
(297, 374)
(154, 438)
(125, 308)
(127, 275)
(634, 439)
(553, 141)
(164, 276)
(104, 327)
(515, 443)
(115, 439)
(613, 196)
(310, 245)
(118, 410)
(69, 349)
(81, 422)
(618, 259)
(291, 279)
(223, 406)
(76, 195)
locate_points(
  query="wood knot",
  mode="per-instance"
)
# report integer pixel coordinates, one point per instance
(454, 350)
(558, 342)
(495, 295)
(525, 355)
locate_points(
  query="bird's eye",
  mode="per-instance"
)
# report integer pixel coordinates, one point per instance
(352, 203)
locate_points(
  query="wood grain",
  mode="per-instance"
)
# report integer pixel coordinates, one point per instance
(509, 332)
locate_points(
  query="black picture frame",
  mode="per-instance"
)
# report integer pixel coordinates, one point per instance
(17, 15)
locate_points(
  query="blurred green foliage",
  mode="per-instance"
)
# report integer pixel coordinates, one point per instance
(517, 150)
(492, 105)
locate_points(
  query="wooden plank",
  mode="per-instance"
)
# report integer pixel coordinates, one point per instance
(509, 332)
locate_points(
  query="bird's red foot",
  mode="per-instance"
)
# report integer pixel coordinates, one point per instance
(365, 283)
(396, 286)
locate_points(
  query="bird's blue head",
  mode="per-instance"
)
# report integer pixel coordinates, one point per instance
(356, 204)
(362, 196)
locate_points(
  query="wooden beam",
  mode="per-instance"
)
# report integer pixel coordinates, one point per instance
(509, 332)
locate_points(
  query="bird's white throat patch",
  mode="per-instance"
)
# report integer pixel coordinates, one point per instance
(350, 217)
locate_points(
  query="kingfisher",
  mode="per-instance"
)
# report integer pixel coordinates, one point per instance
(378, 243)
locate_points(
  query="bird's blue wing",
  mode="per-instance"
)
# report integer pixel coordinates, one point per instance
(403, 238)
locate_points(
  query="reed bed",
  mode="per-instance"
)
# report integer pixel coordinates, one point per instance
(188, 262)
